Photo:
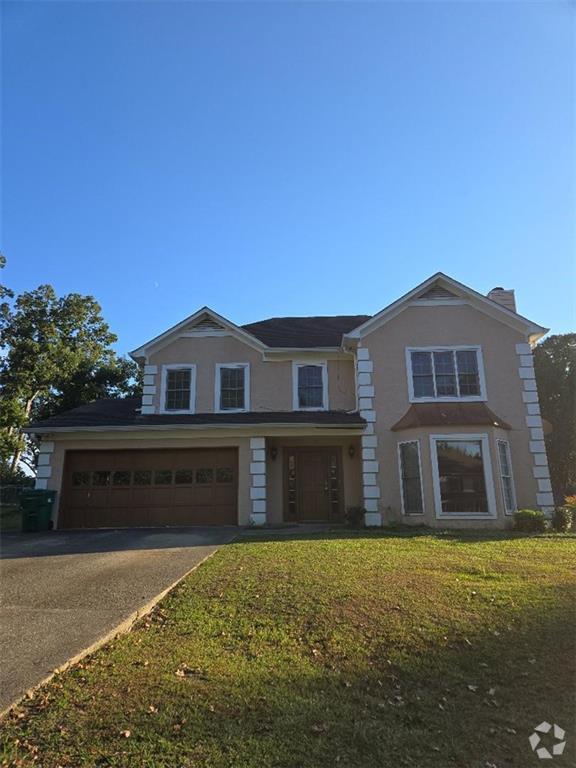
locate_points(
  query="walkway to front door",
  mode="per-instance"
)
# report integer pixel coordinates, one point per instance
(313, 485)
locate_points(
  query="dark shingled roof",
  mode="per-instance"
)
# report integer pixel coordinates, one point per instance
(304, 331)
(121, 412)
(449, 415)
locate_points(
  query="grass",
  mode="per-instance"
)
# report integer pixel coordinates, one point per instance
(344, 650)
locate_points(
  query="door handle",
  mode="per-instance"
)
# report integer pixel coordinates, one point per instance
(326, 486)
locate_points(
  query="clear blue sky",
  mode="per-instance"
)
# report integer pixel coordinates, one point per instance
(287, 158)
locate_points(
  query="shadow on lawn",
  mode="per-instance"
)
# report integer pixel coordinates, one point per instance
(465, 705)
(76, 542)
(469, 536)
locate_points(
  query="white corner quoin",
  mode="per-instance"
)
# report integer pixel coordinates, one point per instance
(258, 480)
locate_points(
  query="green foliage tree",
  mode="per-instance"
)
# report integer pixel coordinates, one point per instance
(57, 354)
(555, 366)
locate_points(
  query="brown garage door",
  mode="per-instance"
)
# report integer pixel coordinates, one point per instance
(104, 489)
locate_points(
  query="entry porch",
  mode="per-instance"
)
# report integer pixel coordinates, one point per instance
(305, 479)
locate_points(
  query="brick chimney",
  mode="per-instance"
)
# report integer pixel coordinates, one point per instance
(503, 296)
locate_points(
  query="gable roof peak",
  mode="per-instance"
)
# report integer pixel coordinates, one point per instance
(458, 291)
(193, 321)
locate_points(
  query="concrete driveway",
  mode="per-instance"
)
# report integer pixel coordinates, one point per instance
(62, 592)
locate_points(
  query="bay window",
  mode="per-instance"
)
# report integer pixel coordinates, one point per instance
(462, 476)
(410, 478)
(508, 490)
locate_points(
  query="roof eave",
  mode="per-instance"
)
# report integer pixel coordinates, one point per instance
(168, 427)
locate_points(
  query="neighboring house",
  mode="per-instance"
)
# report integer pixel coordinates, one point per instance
(426, 412)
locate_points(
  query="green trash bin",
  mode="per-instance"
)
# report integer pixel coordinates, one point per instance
(36, 507)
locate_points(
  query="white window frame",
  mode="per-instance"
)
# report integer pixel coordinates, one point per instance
(482, 397)
(398, 448)
(488, 478)
(296, 365)
(509, 457)
(217, 387)
(164, 381)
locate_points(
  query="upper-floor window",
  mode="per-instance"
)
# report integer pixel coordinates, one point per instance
(310, 385)
(232, 387)
(445, 373)
(178, 385)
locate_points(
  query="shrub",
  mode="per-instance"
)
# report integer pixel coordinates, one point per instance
(530, 521)
(355, 517)
(570, 502)
(562, 519)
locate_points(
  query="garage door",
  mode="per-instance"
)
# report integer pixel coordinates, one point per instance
(104, 489)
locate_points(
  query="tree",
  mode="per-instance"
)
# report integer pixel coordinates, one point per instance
(57, 355)
(5, 293)
(555, 366)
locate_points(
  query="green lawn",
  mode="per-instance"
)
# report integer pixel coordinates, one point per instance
(344, 650)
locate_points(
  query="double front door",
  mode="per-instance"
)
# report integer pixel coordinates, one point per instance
(313, 486)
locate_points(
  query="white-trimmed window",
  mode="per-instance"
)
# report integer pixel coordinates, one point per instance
(462, 474)
(310, 386)
(178, 389)
(232, 387)
(411, 477)
(508, 490)
(445, 374)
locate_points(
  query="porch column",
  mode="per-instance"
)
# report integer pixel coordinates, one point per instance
(370, 465)
(258, 480)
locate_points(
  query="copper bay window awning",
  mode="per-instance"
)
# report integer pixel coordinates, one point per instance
(449, 415)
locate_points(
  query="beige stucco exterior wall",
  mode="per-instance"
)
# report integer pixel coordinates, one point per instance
(447, 326)
(270, 381)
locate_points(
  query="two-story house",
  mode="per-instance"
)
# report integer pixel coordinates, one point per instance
(426, 412)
